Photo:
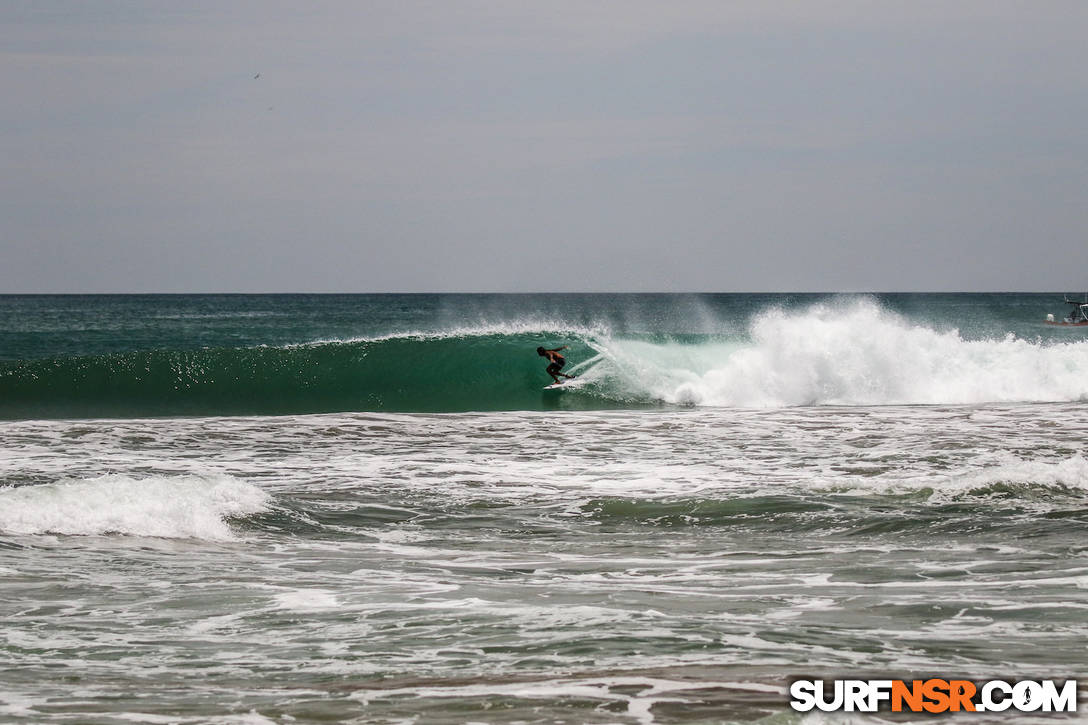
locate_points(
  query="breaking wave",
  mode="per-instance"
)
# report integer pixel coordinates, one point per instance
(850, 353)
(855, 354)
(195, 507)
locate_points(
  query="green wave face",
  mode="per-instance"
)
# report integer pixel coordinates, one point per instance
(399, 374)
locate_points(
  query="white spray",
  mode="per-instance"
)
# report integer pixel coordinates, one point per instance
(844, 354)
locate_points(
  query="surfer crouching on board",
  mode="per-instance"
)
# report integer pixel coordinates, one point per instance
(556, 362)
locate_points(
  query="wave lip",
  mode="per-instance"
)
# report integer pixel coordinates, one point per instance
(176, 507)
(531, 327)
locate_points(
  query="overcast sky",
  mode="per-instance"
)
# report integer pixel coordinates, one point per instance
(543, 146)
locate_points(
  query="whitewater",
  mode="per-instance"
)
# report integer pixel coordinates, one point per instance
(845, 354)
(365, 509)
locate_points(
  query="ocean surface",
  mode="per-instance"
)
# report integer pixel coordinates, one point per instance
(364, 508)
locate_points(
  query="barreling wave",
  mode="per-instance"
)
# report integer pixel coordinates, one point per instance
(412, 373)
(850, 353)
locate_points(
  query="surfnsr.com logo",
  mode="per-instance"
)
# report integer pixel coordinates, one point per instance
(934, 695)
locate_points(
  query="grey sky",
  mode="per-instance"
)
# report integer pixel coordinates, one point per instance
(517, 146)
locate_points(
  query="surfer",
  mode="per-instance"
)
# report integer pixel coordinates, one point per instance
(556, 362)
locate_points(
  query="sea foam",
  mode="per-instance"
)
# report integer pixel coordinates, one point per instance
(191, 506)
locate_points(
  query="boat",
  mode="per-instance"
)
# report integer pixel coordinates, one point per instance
(1077, 317)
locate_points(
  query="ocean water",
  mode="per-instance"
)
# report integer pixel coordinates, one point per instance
(364, 508)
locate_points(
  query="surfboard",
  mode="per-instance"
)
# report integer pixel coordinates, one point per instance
(567, 383)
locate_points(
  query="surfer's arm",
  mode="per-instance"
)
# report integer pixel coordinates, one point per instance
(558, 349)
